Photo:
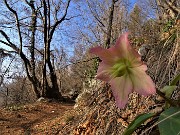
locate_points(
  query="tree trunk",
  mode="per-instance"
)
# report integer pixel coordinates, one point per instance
(53, 90)
(109, 29)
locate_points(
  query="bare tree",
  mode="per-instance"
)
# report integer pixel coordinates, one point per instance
(38, 17)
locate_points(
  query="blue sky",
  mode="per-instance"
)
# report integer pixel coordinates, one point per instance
(65, 41)
(133, 1)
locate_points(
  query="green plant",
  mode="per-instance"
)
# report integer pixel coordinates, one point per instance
(168, 120)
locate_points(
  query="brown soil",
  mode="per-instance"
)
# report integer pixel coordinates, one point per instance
(41, 118)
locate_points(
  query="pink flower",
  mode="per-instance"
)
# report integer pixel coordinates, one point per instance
(122, 67)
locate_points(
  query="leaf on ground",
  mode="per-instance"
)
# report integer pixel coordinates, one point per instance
(137, 122)
(170, 122)
(168, 90)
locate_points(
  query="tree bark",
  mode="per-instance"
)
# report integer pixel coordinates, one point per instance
(53, 91)
(109, 29)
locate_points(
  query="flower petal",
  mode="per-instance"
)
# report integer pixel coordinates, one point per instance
(122, 45)
(108, 56)
(121, 87)
(125, 50)
(102, 73)
(142, 83)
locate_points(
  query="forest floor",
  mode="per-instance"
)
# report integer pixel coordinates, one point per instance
(40, 118)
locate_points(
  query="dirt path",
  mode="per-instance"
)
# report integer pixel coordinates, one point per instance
(35, 119)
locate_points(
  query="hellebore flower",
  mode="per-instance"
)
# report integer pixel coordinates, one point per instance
(123, 69)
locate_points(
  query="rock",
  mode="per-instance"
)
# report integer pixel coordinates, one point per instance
(42, 99)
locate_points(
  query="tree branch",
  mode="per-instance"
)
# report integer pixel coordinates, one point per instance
(95, 15)
(10, 44)
(58, 22)
(49, 17)
(17, 23)
(170, 4)
(13, 46)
